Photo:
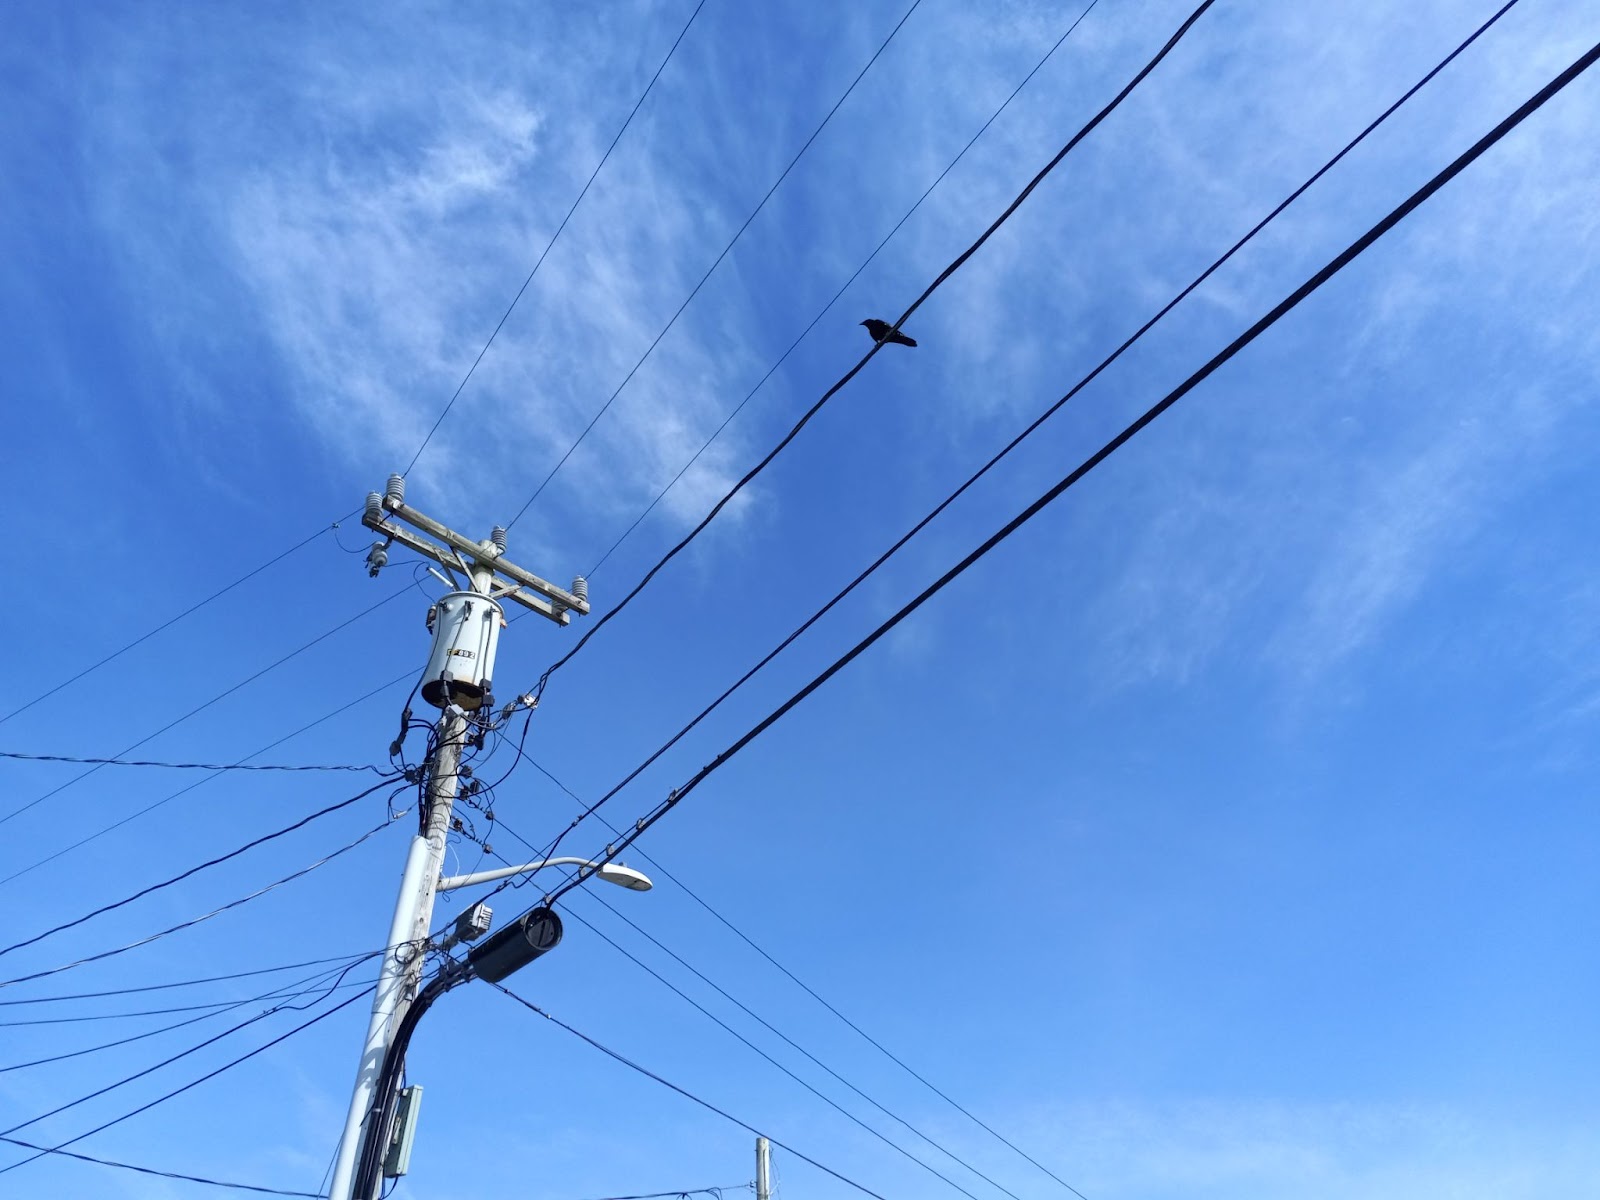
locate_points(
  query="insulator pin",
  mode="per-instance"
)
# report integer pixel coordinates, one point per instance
(497, 535)
(374, 506)
(394, 492)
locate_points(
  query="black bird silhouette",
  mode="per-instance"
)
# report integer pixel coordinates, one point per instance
(878, 328)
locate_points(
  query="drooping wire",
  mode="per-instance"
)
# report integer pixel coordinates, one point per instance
(657, 868)
(56, 1149)
(817, 1092)
(726, 250)
(193, 921)
(856, 274)
(182, 1054)
(772, 1029)
(816, 407)
(1275, 314)
(196, 869)
(190, 611)
(1040, 420)
(173, 724)
(183, 983)
(633, 112)
(149, 808)
(685, 1093)
(178, 1175)
(132, 1014)
(180, 766)
(685, 1193)
(293, 991)
(775, 1031)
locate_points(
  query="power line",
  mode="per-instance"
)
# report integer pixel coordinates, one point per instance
(179, 766)
(685, 1093)
(195, 870)
(1328, 271)
(748, 1011)
(211, 1006)
(157, 987)
(950, 270)
(770, 1028)
(190, 611)
(216, 1010)
(195, 1049)
(856, 274)
(685, 1193)
(56, 1149)
(173, 724)
(127, 1166)
(149, 808)
(657, 867)
(695, 291)
(820, 1095)
(551, 243)
(193, 921)
(1031, 428)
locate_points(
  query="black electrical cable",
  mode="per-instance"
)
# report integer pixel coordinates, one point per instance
(856, 274)
(196, 869)
(126, 750)
(726, 250)
(684, 1193)
(686, 1094)
(775, 1031)
(818, 1093)
(228, 1066)
(1038, 421)
(658, 869)
(160, 987)
(195, 1049)
(211, 1006)
(177, 766)
(293, 992)
(232, 904)
(1328, 271)
(386, 1089)
(149, 808)
(633, 112)
(178, 1175)
(816, 407)
(190, 611)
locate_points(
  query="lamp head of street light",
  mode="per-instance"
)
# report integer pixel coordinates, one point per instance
(625, 877)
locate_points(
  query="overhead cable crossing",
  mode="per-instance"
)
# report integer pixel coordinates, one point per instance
(178, 1091)
(686, 1094)
(550, 245)
(695, 291)
(816, 407)
(1033, 426)
(1290, 302)
(854, 275)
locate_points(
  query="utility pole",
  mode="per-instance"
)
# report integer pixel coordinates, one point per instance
(763, 1169)
(458, 680)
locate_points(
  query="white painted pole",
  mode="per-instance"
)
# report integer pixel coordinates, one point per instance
(408, 932)
(763, 1169)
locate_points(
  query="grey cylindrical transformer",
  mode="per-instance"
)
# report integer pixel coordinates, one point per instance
(466, 633)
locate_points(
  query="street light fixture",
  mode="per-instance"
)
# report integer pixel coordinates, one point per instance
(531, 935)
(616, 873)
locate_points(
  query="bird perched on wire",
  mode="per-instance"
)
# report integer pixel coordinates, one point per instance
(878, 329)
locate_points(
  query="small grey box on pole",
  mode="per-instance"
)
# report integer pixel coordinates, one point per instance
(459, 680)
(763, 1169)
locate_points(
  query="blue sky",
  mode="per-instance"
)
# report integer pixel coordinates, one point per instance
(1228, 832)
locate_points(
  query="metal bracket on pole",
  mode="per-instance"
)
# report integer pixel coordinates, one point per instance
(383, 514)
